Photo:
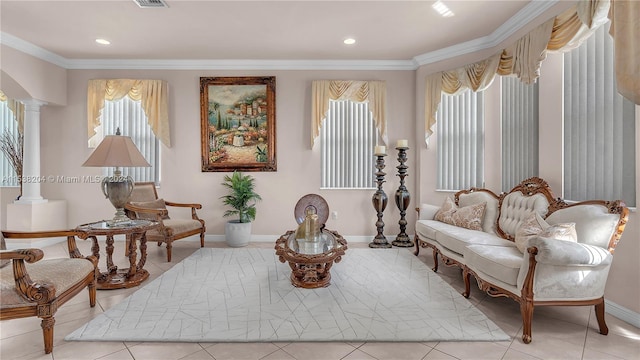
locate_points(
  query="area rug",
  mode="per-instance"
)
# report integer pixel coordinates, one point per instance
(245, 295)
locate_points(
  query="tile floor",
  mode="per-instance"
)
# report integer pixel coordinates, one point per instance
(558, 332)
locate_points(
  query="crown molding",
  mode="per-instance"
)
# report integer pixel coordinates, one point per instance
(527, 14)
(523, 17)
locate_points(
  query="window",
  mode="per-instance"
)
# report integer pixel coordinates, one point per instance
(599, 126)
(8, 127)
(519, 131)
(129, 116)
(348, 137)
(460, 134)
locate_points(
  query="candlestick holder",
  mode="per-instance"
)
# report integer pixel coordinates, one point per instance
(402, 200)
(379, 201)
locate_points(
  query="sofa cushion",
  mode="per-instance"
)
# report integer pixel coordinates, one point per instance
(178, 226)
(491, 208)
(155, 204)
(456, 238)
(469, 217)
(533, 225)
(500, 262)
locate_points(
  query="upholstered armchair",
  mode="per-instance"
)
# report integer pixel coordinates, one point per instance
(145, 204)
(31, 286)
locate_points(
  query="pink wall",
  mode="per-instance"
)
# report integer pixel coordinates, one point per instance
(64, 132)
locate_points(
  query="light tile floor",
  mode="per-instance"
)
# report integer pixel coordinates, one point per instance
(558, 332)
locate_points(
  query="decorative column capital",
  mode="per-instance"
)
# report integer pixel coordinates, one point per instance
(33, 104)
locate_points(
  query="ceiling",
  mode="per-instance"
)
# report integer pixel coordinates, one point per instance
(209, 30)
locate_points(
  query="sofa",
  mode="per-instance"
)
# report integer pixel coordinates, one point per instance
(526, 245)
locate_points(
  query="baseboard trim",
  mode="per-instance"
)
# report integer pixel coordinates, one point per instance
(622, 313)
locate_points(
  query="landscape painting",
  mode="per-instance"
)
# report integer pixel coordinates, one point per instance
(238, 123)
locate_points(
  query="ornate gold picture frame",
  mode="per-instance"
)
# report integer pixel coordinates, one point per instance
(238, 123)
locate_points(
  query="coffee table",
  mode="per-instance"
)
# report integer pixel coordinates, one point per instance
(310, 262)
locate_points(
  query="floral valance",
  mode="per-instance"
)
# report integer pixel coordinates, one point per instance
(373, 92)
(562, 33)
(153, 95)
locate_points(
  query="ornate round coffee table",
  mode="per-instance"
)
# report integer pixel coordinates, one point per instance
(310, 262)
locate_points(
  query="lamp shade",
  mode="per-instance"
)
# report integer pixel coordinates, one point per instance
(116, 151)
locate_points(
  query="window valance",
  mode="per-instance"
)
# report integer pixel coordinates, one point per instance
(523, 58)
(373, 92)
(153, 95)
(17, 108)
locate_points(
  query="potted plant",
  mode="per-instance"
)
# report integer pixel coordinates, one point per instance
(242, 200)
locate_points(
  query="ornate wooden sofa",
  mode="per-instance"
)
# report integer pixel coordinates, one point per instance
(31, 286)
(545, 270)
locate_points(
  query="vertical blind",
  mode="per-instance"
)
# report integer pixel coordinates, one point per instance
(460, 134)
(519, 131)
(129, 116)
(348, 137)
(9, 124)
(599, 126)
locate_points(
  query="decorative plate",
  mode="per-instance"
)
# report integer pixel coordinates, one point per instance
(315, 201)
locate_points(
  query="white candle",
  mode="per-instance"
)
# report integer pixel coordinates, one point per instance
(380, 150)
(403, 143)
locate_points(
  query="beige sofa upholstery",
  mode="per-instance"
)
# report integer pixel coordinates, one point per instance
(550, 271)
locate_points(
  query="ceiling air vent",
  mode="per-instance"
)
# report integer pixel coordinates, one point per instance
(151, 3)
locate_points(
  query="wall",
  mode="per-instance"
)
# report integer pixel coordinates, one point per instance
(64, 149)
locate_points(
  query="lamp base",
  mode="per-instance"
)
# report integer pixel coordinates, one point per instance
(119, 219)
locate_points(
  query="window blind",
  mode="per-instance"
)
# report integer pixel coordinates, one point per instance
(460, 134)
(519, 131)
(128, 115)
(348, 137)
(9, 124)
(599, 126)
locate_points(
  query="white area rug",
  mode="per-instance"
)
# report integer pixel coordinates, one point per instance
(245, 295)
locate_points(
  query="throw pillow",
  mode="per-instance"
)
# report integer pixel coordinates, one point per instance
(3, 246)
(155, 204)
(534, 225)
(469, 217)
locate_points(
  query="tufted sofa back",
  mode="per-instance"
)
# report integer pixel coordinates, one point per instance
(530, 196)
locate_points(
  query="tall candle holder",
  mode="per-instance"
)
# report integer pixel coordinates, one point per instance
(379, 201)
(402, 200)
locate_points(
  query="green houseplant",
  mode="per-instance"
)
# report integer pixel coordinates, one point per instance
(242, 199)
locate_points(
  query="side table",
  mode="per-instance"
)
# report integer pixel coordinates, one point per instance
(115, 278)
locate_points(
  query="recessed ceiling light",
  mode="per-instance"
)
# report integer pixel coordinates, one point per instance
(442, 9)
(349, 41)
(103, 41)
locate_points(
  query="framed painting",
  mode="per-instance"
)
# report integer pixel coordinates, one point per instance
(238, 123)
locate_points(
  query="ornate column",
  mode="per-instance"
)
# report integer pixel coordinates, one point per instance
(402, 199)
(31, 177)
(379, 201)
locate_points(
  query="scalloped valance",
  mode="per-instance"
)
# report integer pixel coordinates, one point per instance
(373, 92)
(153, 95)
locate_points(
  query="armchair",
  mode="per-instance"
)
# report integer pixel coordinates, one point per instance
(31, 286)
(145, 204)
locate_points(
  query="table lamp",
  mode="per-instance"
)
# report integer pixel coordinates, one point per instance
(118, 151)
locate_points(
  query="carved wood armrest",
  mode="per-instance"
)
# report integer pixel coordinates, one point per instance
(69, 234)
(193, 207)
(31, 291)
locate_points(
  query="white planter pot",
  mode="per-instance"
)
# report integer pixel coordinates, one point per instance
(237, 234)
